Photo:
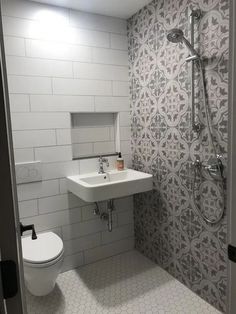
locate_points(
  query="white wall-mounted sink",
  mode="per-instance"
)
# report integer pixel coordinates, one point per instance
(94, 187)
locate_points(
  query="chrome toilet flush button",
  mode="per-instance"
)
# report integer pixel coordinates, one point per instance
(27, 172)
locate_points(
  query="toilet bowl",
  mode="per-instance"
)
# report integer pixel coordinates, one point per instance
(43, 259)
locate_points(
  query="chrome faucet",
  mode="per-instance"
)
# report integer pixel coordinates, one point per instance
(102, 160)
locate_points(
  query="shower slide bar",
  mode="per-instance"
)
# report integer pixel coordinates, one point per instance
(194, 16)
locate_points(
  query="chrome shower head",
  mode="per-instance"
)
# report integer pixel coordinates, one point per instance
(176, 35)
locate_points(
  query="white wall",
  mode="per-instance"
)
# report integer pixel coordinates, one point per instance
(61, 61)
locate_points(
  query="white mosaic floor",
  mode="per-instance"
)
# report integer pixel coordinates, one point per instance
(128, 283)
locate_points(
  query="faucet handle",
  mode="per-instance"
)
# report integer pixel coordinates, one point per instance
(106, 161)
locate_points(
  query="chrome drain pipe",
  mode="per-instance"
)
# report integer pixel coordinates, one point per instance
(110, 208)
(106, 216)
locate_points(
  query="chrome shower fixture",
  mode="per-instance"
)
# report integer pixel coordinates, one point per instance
(176, 35)
(214, 167)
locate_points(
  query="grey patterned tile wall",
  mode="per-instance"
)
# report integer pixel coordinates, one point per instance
(168, 228)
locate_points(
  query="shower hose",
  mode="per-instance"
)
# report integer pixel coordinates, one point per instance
(198, 167)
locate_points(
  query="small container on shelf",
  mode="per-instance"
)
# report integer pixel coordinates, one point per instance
(120, 165)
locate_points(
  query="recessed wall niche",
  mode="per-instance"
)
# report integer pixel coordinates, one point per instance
(94, 134)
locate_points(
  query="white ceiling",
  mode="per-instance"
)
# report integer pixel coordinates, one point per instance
(118, 8)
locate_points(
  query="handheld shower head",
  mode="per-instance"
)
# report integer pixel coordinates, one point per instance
(176, 35)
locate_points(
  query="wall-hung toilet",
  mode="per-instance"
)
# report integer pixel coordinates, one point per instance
(43, 259)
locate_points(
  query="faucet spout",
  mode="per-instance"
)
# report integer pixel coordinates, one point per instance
(101, 161)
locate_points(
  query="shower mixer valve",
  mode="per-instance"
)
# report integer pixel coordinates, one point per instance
(214, 168)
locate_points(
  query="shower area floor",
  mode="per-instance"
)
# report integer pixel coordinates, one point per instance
(128, 283)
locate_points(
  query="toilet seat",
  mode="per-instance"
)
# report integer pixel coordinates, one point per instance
(46, 250)
(44, 265)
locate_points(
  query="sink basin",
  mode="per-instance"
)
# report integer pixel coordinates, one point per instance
(94, 187)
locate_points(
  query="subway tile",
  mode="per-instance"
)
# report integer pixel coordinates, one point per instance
(83, 149)
(92, 134)
(34, 138)
(72, 261)
(53, 153)
(29, 85)
(58, 51)
(55, 219)
(90, 90)
(29, 10)
(128, 160)
(112, 133)
(125, 118)
(81, 87)
(56, 230)
(63, 136)
(125, 147)
(37, 121)
(111, 104)
(120, 88)
(95, 119)
(38, 67)
(104, 147)
(83, 228)
(37, 189)
(108, 250)
(61, 103)
(25, 154)
(125, 133)
(80, 244)
(90, 38)
(19, 103)
(28, 208)
(124, 204)
(60, 169)
(100, 71)
(88, 165)
(63, 33)
(119, 42)
(109, 56)
(59, 202)
(63, 186)
(118, 234)
(125, 217)
(53, 203)
(88, 212)
(14, 46)
(36, 29)
(97, 22)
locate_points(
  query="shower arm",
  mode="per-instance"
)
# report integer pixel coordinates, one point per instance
(195, 15)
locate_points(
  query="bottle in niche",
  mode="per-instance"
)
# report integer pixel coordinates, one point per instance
(120, 162)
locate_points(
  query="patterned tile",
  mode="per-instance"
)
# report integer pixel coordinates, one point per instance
(168, 228)
(124, 284)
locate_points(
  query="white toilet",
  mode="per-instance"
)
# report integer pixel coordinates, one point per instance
(42, 262)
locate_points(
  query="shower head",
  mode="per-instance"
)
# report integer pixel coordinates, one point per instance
(176, 35)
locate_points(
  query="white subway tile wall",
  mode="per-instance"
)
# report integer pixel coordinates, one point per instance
(93, 133)
(61, 61)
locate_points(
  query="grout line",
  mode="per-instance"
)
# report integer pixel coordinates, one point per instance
(126, 66)
(67, 95)
(24, 46)
(67, 78)
(56, 137)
